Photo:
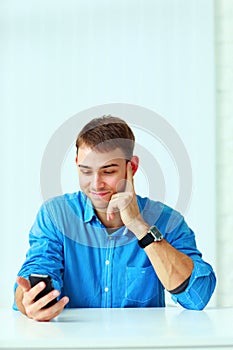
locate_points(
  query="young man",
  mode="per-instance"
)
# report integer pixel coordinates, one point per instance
(105, 246)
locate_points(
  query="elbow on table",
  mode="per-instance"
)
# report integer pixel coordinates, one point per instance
(198, 294)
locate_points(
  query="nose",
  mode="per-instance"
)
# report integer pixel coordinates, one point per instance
(97, 182)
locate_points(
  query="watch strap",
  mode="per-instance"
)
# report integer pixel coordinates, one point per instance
(153, 235)
(146, 240)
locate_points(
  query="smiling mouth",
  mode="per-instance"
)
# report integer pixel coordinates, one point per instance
(99, 194)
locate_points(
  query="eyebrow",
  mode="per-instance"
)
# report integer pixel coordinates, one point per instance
(102, 167)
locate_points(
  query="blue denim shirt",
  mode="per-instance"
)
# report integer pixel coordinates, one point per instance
(97, 269)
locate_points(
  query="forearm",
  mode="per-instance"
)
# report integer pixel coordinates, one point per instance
(171, 266)
(174, 267)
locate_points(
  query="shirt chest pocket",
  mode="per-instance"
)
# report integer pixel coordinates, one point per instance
(141, 284)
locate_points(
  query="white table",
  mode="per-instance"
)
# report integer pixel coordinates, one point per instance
(148, 328)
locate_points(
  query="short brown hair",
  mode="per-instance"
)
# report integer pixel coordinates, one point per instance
(107, 133)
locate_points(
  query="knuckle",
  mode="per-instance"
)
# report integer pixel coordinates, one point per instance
(25, 301)
(29, 312)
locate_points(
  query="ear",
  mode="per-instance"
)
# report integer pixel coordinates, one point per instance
(134, 164)
(76, 160)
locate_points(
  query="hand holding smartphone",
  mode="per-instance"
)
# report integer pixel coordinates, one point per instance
(34, 279)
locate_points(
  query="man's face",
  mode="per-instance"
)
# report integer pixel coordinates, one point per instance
(101, 174)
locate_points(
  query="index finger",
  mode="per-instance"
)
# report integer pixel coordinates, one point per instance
(35, 290)
(129, 179)
(23, 283)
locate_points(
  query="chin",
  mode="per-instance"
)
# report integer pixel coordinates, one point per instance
(99, 203)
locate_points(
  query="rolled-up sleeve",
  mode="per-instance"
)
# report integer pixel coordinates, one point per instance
(45, 255)
(202, 281)
(200, 288)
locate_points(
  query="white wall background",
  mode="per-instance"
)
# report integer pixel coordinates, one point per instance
(224, 103)
(61, 57)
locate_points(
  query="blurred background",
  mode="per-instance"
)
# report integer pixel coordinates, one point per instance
(173, 58)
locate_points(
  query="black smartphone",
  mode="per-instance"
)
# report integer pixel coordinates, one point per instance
(34, 279)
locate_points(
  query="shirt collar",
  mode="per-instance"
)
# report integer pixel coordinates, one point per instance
(89, 212)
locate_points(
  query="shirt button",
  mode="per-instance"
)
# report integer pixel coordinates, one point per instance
(107, 262)
(106, 289)
(110, 238)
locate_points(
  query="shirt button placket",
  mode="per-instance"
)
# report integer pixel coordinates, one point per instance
(107, 286)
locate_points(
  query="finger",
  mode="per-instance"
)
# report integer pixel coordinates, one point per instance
(34, 291)
(23, 283)
(54, 311)
(110, 210)
(110, 216)
(48, 314)
(118, 203)
(43, 301)
(113, 206)
(129, 178)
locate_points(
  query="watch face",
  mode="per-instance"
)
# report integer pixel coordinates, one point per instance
(153, 235)
(156, 233)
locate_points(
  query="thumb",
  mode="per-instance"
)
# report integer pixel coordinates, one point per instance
(23, 283)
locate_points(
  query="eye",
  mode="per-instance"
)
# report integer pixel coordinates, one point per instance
(86, 172)
(109, 172)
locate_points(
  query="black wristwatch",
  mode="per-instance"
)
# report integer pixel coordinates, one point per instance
(153, 235)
